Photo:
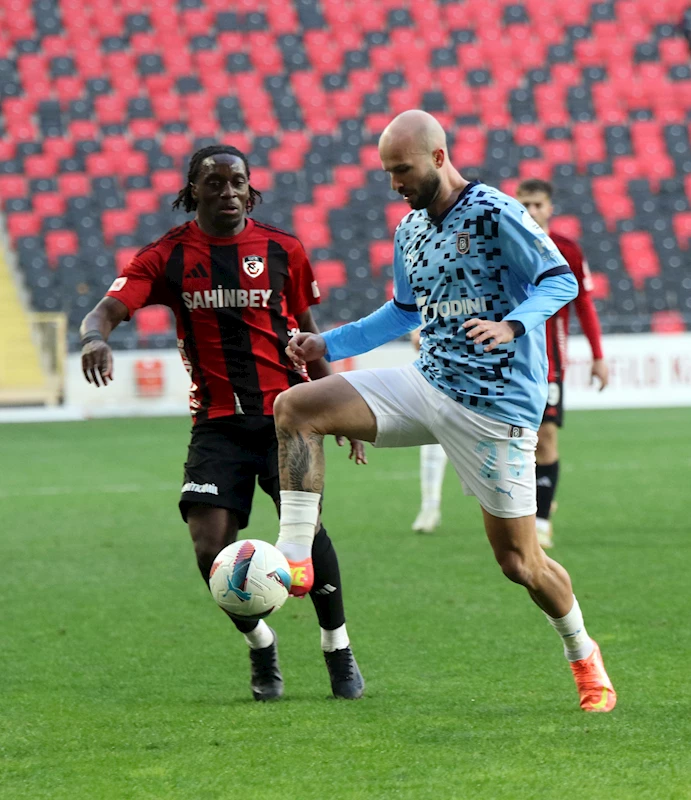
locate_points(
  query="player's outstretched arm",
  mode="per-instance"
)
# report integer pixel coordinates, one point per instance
(98, 324)
(320, 368)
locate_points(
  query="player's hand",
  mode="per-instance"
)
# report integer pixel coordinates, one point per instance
(599, 371)
(97, 363)
(482, 330)
(357, 449)
(304, 347)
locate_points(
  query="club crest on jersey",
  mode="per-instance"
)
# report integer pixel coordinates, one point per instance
(253, 265)
(463, 243)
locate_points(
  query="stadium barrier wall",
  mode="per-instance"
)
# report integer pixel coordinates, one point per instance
(647, 371)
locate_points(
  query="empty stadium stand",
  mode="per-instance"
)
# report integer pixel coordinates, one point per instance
(102, 101)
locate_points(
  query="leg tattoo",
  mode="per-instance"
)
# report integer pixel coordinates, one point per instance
(301, 461)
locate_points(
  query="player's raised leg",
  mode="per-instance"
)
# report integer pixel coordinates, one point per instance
(547, 474)
(432, 468)
(303, 416)
(522, 560)
(212, 529)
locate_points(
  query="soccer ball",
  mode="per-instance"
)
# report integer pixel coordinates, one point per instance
(250, 579)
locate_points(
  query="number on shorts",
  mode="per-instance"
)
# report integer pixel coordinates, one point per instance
(516, 460)
(487, 470)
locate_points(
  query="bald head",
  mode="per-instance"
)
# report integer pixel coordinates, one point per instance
(415, 132)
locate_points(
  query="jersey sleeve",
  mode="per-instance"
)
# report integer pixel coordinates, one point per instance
(530, 252)
(141, 282)
(302, 290)
(402, 291)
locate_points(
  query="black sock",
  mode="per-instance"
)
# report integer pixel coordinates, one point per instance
(547, 478)
(326, 593)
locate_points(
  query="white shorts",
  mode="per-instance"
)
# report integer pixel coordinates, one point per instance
(494, 460)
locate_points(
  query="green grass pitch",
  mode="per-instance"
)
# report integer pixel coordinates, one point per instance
(120, 679)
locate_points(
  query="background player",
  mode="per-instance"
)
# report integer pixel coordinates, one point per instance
(536, 196)
(432, 468)
(238, 289)
(465, 249)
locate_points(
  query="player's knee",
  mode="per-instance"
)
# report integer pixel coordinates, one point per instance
(292, 409)
(517, 568)
(286, 410)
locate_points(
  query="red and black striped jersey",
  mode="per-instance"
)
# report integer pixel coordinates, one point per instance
(557, 327)
(235, 302)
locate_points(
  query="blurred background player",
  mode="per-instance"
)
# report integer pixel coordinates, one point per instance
(433, 461)
(536, 196)
(239, 289)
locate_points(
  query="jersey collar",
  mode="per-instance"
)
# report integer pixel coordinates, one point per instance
(227, 240)
(439, 219)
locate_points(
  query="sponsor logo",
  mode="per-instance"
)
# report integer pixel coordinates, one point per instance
(326, 589)
(515, 432)
(315, 289)
(465, 307)
(504, 491)
(463, 243)
(553, 394)
(253, 265)
(199, 488)
(227, 298)
(117, 284)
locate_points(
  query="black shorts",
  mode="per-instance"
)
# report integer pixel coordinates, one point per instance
(226, 457)
(554, 410)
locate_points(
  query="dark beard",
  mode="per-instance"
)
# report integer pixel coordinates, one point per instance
(429, 189)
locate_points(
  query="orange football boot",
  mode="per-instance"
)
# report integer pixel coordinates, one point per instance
(301, 577)
(594, 686)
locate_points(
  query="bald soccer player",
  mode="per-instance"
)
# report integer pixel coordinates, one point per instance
(481, 277)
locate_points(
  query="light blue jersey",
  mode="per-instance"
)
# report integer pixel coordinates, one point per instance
(483, 258)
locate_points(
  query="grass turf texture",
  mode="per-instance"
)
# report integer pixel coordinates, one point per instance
(121, 679)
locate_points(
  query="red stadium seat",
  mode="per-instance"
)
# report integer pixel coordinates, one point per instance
(380, 255)
(535, 168)
(394, 214)
(667, 322)
(328, 196)
(24, 223)
(153, 321)
(142, 201)
(49, 204)
(569, 226)
(117, 221)
(349, 175)
(640, 258)
(40, 166)
(74, 184)
(682, 228)
(600, 284)
(58, 147)
(329, 275)
(12, 186)
(313, 235)
(61, 243)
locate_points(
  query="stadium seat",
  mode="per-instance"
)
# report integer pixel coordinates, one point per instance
(153, 321)
(125, 91)
(329, 275)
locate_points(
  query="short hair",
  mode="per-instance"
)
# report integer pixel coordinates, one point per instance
(185, 198)
(531, 185)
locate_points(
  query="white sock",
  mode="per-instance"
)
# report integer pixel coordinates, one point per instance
(577, 643)
(299, 515)
(335, 640)
(262, 636)
(432, 466)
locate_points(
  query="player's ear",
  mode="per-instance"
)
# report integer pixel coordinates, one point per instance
(439, 156)
(194, 192)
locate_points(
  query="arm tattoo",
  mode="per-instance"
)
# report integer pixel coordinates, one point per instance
(301, 461)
